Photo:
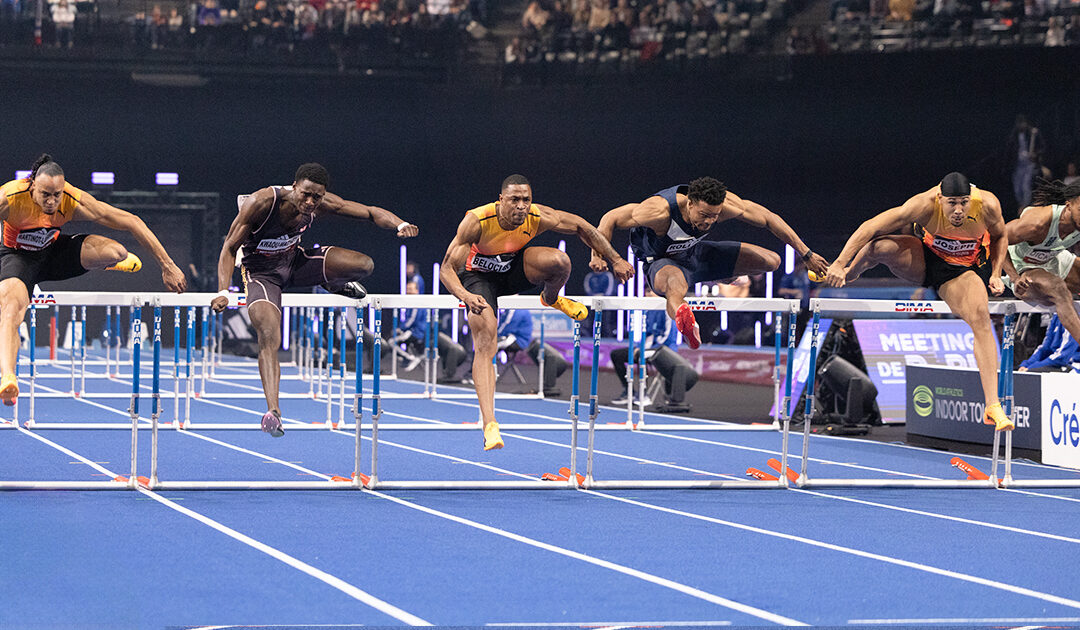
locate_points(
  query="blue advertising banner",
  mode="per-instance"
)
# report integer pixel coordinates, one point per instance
(948, 403)
(888, 346)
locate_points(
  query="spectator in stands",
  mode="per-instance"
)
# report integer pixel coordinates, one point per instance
(63, 17)
(157, 24)
(659, 331)
(1055, 35)
(174, 28)
(1025, 147)
(534, 20)
(599, 16)
(901, 10)
(1071, 175)
(1059, 352)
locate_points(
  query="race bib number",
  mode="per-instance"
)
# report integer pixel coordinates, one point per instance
(36, 240)
(1039, 256)
(499, 263)
(277, 245)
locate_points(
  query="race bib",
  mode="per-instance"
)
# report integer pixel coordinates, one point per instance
(36, 240)
(955, 247)
(277, 245)
(1039, 256)
(682, 246)
(499, 263)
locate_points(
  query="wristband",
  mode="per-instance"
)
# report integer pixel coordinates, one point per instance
(224, 293)
(401, 226)
(807, 255)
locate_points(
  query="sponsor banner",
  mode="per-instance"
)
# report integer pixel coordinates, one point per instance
(1061, 429)
(889, 345)
(948, 403)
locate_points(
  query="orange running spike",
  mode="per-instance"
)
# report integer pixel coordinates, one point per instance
(791, 474)
(760, 474)
(340, 478)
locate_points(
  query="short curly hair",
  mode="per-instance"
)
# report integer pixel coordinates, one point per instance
(315, 173)
(707, 190)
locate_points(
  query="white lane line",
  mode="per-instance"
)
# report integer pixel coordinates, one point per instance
(331, 580)
(967, 521)
(618, 568)
(599, 624)
(969, 620)
(918, 566)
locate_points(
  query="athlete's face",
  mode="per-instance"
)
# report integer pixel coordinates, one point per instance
(955, 208)
(514, 202)
(47, 192)
(702, 215)
(307, 195)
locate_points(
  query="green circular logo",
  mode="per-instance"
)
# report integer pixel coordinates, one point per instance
(923, 399)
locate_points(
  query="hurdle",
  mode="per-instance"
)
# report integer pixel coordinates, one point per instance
(777, 306)
(1006, 308)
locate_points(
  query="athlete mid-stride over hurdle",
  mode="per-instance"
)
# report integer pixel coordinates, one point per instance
(33, 210)
(954, 225)
(269, 226)
(667, 233)
(488, 258)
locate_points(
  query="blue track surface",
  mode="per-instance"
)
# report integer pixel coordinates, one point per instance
(660, 557)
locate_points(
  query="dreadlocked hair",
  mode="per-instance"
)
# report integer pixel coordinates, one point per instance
(44, 165)
(1054, 192)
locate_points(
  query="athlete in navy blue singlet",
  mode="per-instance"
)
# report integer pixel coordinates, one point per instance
(668, 232)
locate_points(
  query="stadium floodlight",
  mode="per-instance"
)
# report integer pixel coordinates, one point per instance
(167, 179)
(22, 174)
(102, 178)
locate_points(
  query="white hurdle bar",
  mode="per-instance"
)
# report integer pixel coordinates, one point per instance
(777, 306)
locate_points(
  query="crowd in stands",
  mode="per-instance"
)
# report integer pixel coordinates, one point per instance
(627, 33)
(331, 28)
(892, 25)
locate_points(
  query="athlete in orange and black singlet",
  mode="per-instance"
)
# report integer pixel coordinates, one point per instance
(34, 250)
(269, 226)
(958, 250)
(488, 258)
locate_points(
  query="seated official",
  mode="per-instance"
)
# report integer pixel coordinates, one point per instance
(515, 330)
(1059, 351)
(413, 331)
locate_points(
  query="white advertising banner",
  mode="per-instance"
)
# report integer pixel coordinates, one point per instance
(1061, 425)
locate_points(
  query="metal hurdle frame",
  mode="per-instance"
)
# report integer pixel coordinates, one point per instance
(1008, 308)
(436, 302)
(777, 306)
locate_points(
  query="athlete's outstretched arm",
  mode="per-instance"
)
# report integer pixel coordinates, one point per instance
(90, 209)
(379, 216)
(567, 223)
(888, 222)
(999, 240)
(651, 213)
(759, 216)
(252, 214)
(1031, 227)
(468, 233)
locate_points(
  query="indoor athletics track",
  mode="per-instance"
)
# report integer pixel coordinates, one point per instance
(156, 559)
